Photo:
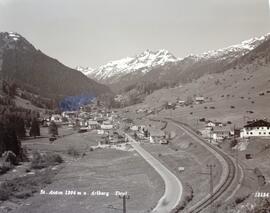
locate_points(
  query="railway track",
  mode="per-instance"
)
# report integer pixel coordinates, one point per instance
(229, 177)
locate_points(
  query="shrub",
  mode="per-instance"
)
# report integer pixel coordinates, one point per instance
(38, 161)
(73, 152)
(9, 156)
(43, 160)
(4, 167)
(233, 143)
(24, 154)
(54, 159)
(239, 200)
(4, 192)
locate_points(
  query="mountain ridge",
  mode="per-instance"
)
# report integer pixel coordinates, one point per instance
(120, 71)
(142, 62)
(33, 70)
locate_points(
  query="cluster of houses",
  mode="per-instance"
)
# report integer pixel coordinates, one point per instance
(113, 138)
(181, 103)
(189, 101)
(148, 133)
(173, 105)
(217, 131)
(96, 120)
(105, 122)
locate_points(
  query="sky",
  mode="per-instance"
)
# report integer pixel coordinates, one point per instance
(94, 32)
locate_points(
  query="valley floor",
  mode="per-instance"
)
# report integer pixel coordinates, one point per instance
(102, 170)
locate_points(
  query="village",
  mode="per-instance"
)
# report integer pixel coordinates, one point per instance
(111, 125)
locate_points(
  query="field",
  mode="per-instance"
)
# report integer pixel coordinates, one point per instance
(235, 95)
(104, 170)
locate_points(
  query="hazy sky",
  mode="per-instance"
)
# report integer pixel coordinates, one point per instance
(93, 32)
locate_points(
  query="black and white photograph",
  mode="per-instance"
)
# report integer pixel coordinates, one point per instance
(124, 106)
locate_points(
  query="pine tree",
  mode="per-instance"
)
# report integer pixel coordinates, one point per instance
(34, 129)
(10, 141)
(20, 127)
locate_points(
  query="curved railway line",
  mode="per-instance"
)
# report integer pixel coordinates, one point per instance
(228, 178)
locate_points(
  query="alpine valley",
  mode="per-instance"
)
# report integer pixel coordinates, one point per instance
(153, 70)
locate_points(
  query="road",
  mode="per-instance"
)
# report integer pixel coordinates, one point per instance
(173, 186)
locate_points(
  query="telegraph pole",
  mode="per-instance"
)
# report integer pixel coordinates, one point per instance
(124, 197)
(236, 150)
(210, 134)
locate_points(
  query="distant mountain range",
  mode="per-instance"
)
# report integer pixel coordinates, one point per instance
(22, 63)
(139, 64)
(164, 68)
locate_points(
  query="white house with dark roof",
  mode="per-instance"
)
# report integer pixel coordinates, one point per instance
(220, 133)
(258, 128)
(199, 100)
(56, 118)
(211, 124)
(93, 124)
(157, 136)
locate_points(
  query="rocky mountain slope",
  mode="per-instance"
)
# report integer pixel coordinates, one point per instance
(34, 71)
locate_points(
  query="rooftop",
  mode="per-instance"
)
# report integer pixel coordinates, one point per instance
(258, 123)
(156, 133)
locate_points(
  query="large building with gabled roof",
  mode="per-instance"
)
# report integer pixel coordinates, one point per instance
(258, 128)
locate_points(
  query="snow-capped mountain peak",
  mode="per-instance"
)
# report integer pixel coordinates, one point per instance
(142, 62)
(234, 50)
(12, 40)
(148, 60)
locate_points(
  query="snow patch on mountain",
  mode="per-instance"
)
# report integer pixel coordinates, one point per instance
(14, 36)
(85, 70)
